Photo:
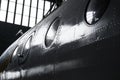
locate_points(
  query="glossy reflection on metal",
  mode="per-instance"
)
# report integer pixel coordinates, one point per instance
(26, 49)
(42, 70)
(27, 73)
(10, 75)
(51, 33)
(95, 10)
(15, 51)
(39, 37)
(71, 33)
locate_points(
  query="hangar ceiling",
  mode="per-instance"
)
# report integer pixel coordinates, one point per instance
(23, 12)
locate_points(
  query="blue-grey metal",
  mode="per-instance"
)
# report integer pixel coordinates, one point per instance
(79, 50)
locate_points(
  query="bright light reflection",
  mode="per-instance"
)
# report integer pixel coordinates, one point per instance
(9, 75)
(43, 69)
(39, 38)
(27, 45)
(15, 51)
(71, 33)
(39, 70)
(51, 34)
(90, 16)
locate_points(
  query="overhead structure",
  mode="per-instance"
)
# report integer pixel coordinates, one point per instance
(23, 12)
(54, 4)
(0, 3)
(57, 2)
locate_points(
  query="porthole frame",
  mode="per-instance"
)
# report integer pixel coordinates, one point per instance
(56, 20)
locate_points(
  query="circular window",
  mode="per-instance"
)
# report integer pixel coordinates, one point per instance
(51, 33)
(26, 48)
(95, 10)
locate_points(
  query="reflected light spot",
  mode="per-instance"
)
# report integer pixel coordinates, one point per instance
(90, 16)
(50, 34)
(10, 75)
(39, 38)
(27, 45)
(71, 33)
(15, 51)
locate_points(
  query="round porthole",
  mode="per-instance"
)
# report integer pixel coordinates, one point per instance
(95, 10)
(26, 48)
(51, 33)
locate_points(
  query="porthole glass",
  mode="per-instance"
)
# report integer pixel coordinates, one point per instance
(15, 51)
(26, 48)
(51, 33)
(27, 45)
(95, 10)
